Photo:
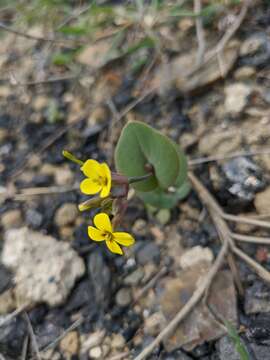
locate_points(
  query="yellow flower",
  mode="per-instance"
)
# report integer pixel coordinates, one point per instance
(104, 232)
(99, 178)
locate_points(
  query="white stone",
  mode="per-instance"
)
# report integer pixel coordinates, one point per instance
(196, 255)
(45, 269)
(95, 353)
(236, 97)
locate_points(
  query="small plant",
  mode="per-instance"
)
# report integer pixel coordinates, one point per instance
(147, 161)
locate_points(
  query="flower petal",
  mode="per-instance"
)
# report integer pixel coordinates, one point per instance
(103, 222)
(108, 180)
(123, 238)
(89, 187)
(95, 234)
(114, 247)
(91, 168)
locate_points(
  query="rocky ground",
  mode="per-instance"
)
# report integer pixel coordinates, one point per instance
(81, 301)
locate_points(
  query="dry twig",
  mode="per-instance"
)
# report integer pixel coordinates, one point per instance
(187, 308)
(199, 32)
(32, 336)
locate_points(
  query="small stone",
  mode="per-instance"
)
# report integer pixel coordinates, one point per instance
(262, 201)
(64, 176)
(244, 72)
(97, 116)
(251, 45)
(45, 268)
(11, 219)
(140, 227)
(92, 340)
(66, 233)
(236, 96)
(66, 214)
(147, 253)
(96, 353)
(7, 302)
(257, 299)
(220, 143)
(33, 218)
(134, 278)
(196, 255)
(154, 324)
(123, 297)
(48, 169)
(40, 102)
(118, 342)
(70, 343)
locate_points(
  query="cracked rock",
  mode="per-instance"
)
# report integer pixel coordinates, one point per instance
(45, 269)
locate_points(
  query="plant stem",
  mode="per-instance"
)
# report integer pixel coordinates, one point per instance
(135, 179)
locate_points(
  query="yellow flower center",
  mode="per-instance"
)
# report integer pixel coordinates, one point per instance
(108, 236)
(102, 181)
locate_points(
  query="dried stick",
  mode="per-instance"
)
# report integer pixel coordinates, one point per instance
(32, 336)
(73, 326)
(195, 298)
(163, 271)
(199, 32)
(251, 239)
(9, 317)
(32, 37)
(207, 159)
(218, 218)
(246, 220)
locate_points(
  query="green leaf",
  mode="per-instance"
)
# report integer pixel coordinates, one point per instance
(239, 347)
(62, 58)
(145, 43)
(139, 145)
(74, 30)
(165, 200)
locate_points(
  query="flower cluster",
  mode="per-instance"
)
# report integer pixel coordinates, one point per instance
(100, 181)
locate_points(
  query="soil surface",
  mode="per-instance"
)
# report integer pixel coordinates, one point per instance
(61, 90)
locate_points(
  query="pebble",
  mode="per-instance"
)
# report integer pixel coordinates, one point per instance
(257, 298)
(236, 97)
(63, 176)
(262, 201)
(66, 214)
(96, 353)
(244, 72)
(70, 343)
(123, 297)
(92, 340)
(33, 218)
(154, 324)
(134, 278)
(98, 116)
(255, 51)
(196, 255)
(45, 268)
(245, 177)
(220, 143)
(140, 227)
(11, 219)
(118, 342)
(147, 253)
